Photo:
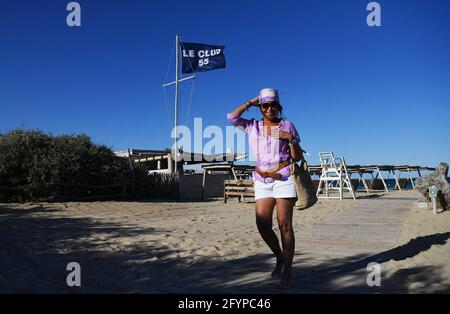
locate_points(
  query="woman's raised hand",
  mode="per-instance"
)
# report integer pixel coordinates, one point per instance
(254, 101)
(282, 135)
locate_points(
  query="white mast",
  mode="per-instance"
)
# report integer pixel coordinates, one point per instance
(176, 101)
(176, 83)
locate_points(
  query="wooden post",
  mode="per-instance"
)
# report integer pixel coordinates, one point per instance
(433, 201)
(169, 163)
(382, 179)
(224, 192)
(411, 179)
(132, 169)
(363, 181)
(397, 177)
(203, 182)
(235, 178)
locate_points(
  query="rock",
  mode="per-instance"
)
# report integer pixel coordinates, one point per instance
(439, 179)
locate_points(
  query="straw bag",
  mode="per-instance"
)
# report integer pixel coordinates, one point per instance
(306, 196)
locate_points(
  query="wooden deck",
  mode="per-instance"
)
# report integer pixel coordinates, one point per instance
(330, 257)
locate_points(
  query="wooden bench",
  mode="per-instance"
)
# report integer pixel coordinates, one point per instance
(239, 188)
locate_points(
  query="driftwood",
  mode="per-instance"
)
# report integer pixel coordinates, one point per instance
(439, 179)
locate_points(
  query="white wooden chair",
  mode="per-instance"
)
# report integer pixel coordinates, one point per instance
(334, 176)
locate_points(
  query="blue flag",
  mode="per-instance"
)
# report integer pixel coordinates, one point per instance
(201, 57)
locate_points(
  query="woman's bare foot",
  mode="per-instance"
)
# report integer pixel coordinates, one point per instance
(276, 273)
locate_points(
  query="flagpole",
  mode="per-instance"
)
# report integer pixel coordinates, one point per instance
(176, 100)
(177, 83)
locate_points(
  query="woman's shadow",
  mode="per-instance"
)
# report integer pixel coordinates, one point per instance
(410, 249)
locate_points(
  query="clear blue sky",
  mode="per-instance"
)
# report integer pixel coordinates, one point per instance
(374, 95)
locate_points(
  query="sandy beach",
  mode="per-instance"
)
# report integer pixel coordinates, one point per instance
(189, 247)
(426, 261)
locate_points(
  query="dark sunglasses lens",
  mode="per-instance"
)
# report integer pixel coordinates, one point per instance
(266, 106)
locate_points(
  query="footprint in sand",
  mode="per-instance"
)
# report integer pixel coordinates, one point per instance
(229, 242)
(187, 242)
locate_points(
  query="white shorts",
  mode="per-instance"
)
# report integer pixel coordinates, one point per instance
(275, 189)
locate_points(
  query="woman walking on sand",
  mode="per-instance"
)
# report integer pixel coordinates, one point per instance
(274, 142)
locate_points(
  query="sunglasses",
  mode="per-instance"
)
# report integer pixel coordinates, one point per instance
(272, 105)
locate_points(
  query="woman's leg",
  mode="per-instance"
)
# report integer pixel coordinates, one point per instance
(284, 217)
(264, 217)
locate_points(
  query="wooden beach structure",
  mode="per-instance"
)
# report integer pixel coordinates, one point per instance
(377, 182)
(209, 183)
(408, 170)
(219, 175)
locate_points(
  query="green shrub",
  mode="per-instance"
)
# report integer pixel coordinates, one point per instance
(32, 163)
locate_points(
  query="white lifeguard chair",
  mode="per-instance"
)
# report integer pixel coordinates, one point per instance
(334, 176)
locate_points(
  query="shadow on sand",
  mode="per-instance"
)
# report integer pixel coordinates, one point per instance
(35, 250)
